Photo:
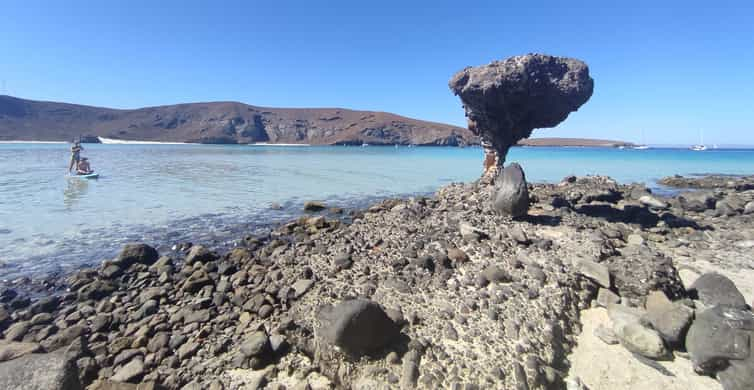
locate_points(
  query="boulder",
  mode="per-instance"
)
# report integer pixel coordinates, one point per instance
(642, 340)
(357, 326)
(10, 350)
(651, 201)
(45, 305)
(715, 289)
(96, 290)
(131, 372)
(47, 371)
(506, 100)
(256, 344)
(313, 206)
(631, 331)
(638, 271)
(718, 335)
(17, 331)
(739, 375)
(670, 319)
(699, 201)
(136, 253)
(511, 192)
(300, 287)
(196, 281)
(199, 253)
(595, 271)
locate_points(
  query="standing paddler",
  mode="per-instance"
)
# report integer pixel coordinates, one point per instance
(75, 155)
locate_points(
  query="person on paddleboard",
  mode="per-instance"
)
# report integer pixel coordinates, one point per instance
(75, 155)
(83, 167)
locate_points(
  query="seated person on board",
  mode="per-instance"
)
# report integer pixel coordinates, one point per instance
(83, 167)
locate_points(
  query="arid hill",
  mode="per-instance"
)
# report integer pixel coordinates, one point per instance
(232, 122)
(220, 122)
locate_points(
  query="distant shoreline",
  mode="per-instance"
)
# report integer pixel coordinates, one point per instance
(532, 142)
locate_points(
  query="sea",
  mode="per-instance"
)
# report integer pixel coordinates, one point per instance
(164, 195)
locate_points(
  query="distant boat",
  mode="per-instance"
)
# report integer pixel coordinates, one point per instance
(364, 145)
(643, 145)
(699, 147)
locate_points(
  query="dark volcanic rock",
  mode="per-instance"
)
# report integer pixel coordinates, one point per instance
(506, 100)
(718, 335)
(137, 253)
(635, 276)
(511, 193)
(357, 326)
(739, 375)
(715, 289)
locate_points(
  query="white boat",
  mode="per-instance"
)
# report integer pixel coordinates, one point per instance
(700, 146)
(364, 145)
(643, 145)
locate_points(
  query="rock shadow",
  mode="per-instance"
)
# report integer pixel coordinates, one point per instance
(400, 346)
(544, 220)
(635, 214)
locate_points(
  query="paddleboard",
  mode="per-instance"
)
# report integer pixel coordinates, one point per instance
(89, 176)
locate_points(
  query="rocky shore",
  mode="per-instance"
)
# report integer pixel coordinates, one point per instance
(426, 292)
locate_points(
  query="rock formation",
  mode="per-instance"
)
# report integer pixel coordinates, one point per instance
(506, 100)
(512, 195)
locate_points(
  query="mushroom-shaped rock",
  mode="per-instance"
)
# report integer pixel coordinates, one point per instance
(506, 100)
(357, 326)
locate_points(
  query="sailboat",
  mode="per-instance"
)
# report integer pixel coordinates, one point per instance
(643, 145)
(699, 147)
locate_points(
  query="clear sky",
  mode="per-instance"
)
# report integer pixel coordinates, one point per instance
(667, 69)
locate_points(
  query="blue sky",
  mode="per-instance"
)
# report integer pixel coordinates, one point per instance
(669, 69)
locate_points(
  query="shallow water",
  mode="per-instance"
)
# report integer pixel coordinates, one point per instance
(165, 194)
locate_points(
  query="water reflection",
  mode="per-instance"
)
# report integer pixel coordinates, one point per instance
(74, 191)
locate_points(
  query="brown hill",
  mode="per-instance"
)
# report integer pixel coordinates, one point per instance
(219, 122)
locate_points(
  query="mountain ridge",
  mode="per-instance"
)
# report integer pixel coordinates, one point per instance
(229, 122)
(220, 122)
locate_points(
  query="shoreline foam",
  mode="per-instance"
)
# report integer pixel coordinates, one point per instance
(114, 141)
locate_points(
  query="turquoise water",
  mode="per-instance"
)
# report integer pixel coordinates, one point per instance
(166, 194)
